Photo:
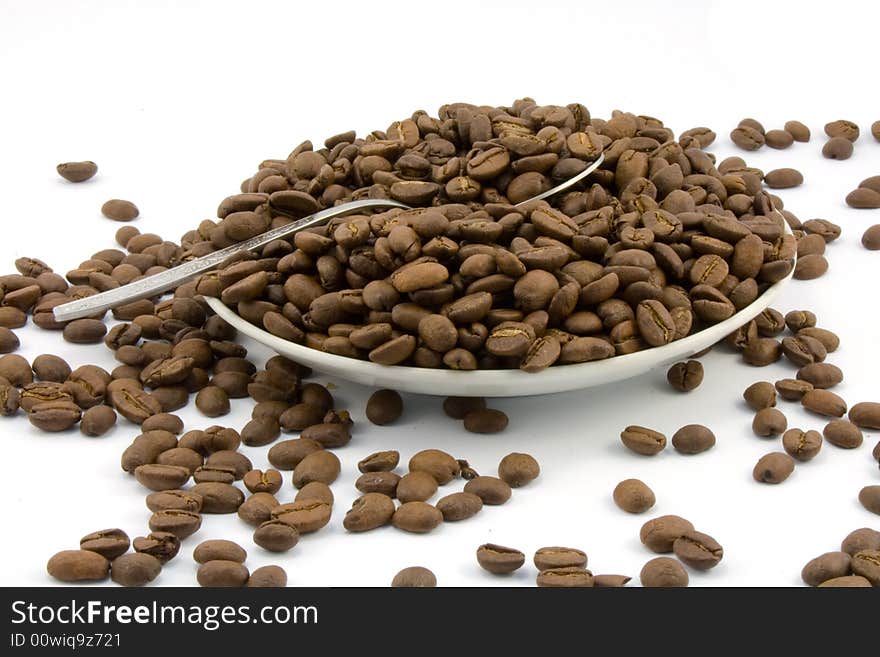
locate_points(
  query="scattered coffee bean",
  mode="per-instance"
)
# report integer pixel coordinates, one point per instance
(119, 210)
(491, 490)
(820, 375)
(866, 415)
(642, 440)
(109, 543)
(174, 499)
(778, 139)
(867, 564)
(499, 560)
(164, 546)
(760, 395)
(76, 172)
(863, 198)
(571, 577)
(414, 577)
(798, 131)
(871, 236)
(842, 128)
(548, 558)
(78, 566)
(378, 482)
(826, 566)
(762, 352)
(869, 496)
(440, 465)
(163, 421)
(824, 402)
(267, 577)
(306, 516)
(861, 539)
(416, 486)
(384, 407)
(222, 573)
(773, 468)
(843, 433)
(517, 469)
(417, 517)
(219, 549)
(218, 497)
(610, 581)
(875, 130)
(659, 534)
(135, 569)
(212, 401)
(8, 341)
(315, 490)
(783, 178)
(747, 137)
(769, 422)
(320, 466)
(368, 512)
(685, 376)
(802, 445)
(487, 420)
(697, 550)
(459, 506)
(97, 421)
(458, 407)
(276, 536)
(792, 389)
(633, 496)
(54, 415)
(838, 148)
(380, 461)
(259, 481)
(693, 439)
(663, 572)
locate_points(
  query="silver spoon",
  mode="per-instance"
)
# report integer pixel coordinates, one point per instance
(172, 278)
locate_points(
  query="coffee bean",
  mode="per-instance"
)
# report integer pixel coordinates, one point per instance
(487, 420)
(779, 139)
(655, 323)
(570, 577)
(685, 376)
(218, 497)
(769, 422)
(458, 407)
(315, 490)
(747, 138)
(809, 267)
(258, 481)
(869, 496)
(659, 534)
(518, 469)
(161, 477)
(164, 546)
(871, 236)
(320, 466)
(642, 440)
(783, 178)
(368, 512)
(109, 543)
(796, 320)
(54, 415)
(848, 581)
(16, 370)
(838, 148)
(459, 506)
(119, 210)
(802, 445)
(76, 172)
(414, 577)
(663, 572)
(78, 566)
(257, 508)
(267, 577)
(842, 128)
(220, 573)
(417, 517)
(219, 549)
(866, 415)
(135, 569)
(380, 461)
(633, 496)
(697, 550)
(861, 539)
(287, 454)
(259, 432)
(551, 558)
(773, 468)
(440, 465)
(212, 401)
(132, 402)
(163, 421)
(693, 439)
(378, 482)
(416, 486)
(820, 375)
(826, 566)
(236, 462)
(863, 198)
(85, 331)
(499, 560)
(8, 341)
(824, 402)
(276, 536)
(828, 339)
(174, 499)
(306, 516)
(491, 490)
(384, 407)
(843, 433)
(798, 131)
(762, 352)
(867, 564)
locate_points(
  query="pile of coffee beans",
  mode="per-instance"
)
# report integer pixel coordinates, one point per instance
(856, 564)
(671, 533)
(689, 439)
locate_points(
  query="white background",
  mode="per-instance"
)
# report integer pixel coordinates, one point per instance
(179, 101)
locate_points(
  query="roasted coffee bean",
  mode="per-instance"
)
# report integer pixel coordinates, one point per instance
(838, 148)
(802, 445)
(164, 546)
(259, 481)
(747, 137)
(384, 407)
(778, 139)
(37, 393)
(642, 440)
(848, 581)
(10, 399)
(146, 448)
(659, 534)
(276, 536)
(824, 402)
(762, 352)
(568, 577)
(685, 376)
(417, 517)
(440, 465)
(163, 421)
(76, 172)
(133, 403)
(842, 128)
(267, 577)
(518, 469)
(16, 370)
(315, 490)
(238, 463)
(792, 389)
(8, 341)
(416, 486)
(871, 236)
(261, 431)
(783, 178)
(54, 415)
(319, 465)
(380, 461)
(843, 433)
(861, 539)
(85, 331)
(828, 339)
(78, 566)
(499, 560)
(810, 266)
(797, 130)
(287, 454)
(867, 564)
(368, 512)
(306, 516)
(174, 499)
(135, 569)
(663, 572)
(487, 420)
(458, 407)
(826, 566)
(220, 573)
(328, 434)
(769, 422)
(869, 497)
(119, 210)
(866, 415)
(551, 558)
(655, 323)
(773, 468)
(491, 490)
(697, 550)
(109, 543)
(257, 508)
(693, 439)
(218, 497)
(212, 401)
(219, 549)
(633, 496)
(378, 482)
(459, 506)
(414, 577)
(161, 477)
